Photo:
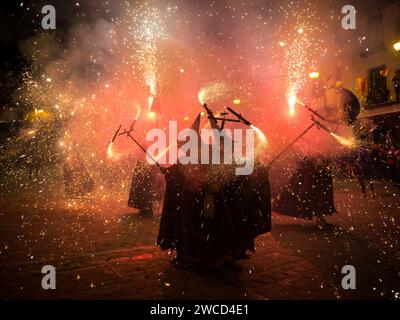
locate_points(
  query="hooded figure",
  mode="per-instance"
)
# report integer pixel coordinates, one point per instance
(170, 232)
(248, 199)
(144, 191)
(309, 192)
(348, 102)
(208, 233)
(223, 213)
(171, 225)
(211, 216)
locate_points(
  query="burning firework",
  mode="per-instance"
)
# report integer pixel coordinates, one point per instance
(260, 134)
(110, 149)
(212, 92)
(350, 143)
(292, 99)
(110, 152)
(147, 28)
(347, 142)
(150, 100)
(138, 111)
(302, 47)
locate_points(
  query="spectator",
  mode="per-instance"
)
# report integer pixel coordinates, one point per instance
(365, 165)
(396, 84)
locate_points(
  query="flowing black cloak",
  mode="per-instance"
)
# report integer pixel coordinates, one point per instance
(350, 104)
(309, 191)
(144, 190)
(207, 225)
(223, 213)
(170, 231)
(248, 199)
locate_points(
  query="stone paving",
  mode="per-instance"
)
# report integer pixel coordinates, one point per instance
(101, 253)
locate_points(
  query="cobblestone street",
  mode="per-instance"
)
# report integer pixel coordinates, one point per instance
(101, 253)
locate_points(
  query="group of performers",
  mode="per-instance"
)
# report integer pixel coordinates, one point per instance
(211, 217)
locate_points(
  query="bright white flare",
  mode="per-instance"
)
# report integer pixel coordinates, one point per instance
(292, 98)
(259, 134)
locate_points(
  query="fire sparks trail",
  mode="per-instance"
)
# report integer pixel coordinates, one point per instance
(92, 82)
(302, 47)
(259, 134)
(347, 142)
(260, 147)
(150, 101)
(138, 64)
(110, 152)
(147, 29)
(139, 110)
(292, 101)
(212, 92)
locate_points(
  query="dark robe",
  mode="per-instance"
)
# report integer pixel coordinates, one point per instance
(248, 199)
(223, 213)
(144, 190)
(350, 104)
(170, 232)
(207, 225)
(308, 193)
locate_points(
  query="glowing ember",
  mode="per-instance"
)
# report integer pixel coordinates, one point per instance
(314, 75)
